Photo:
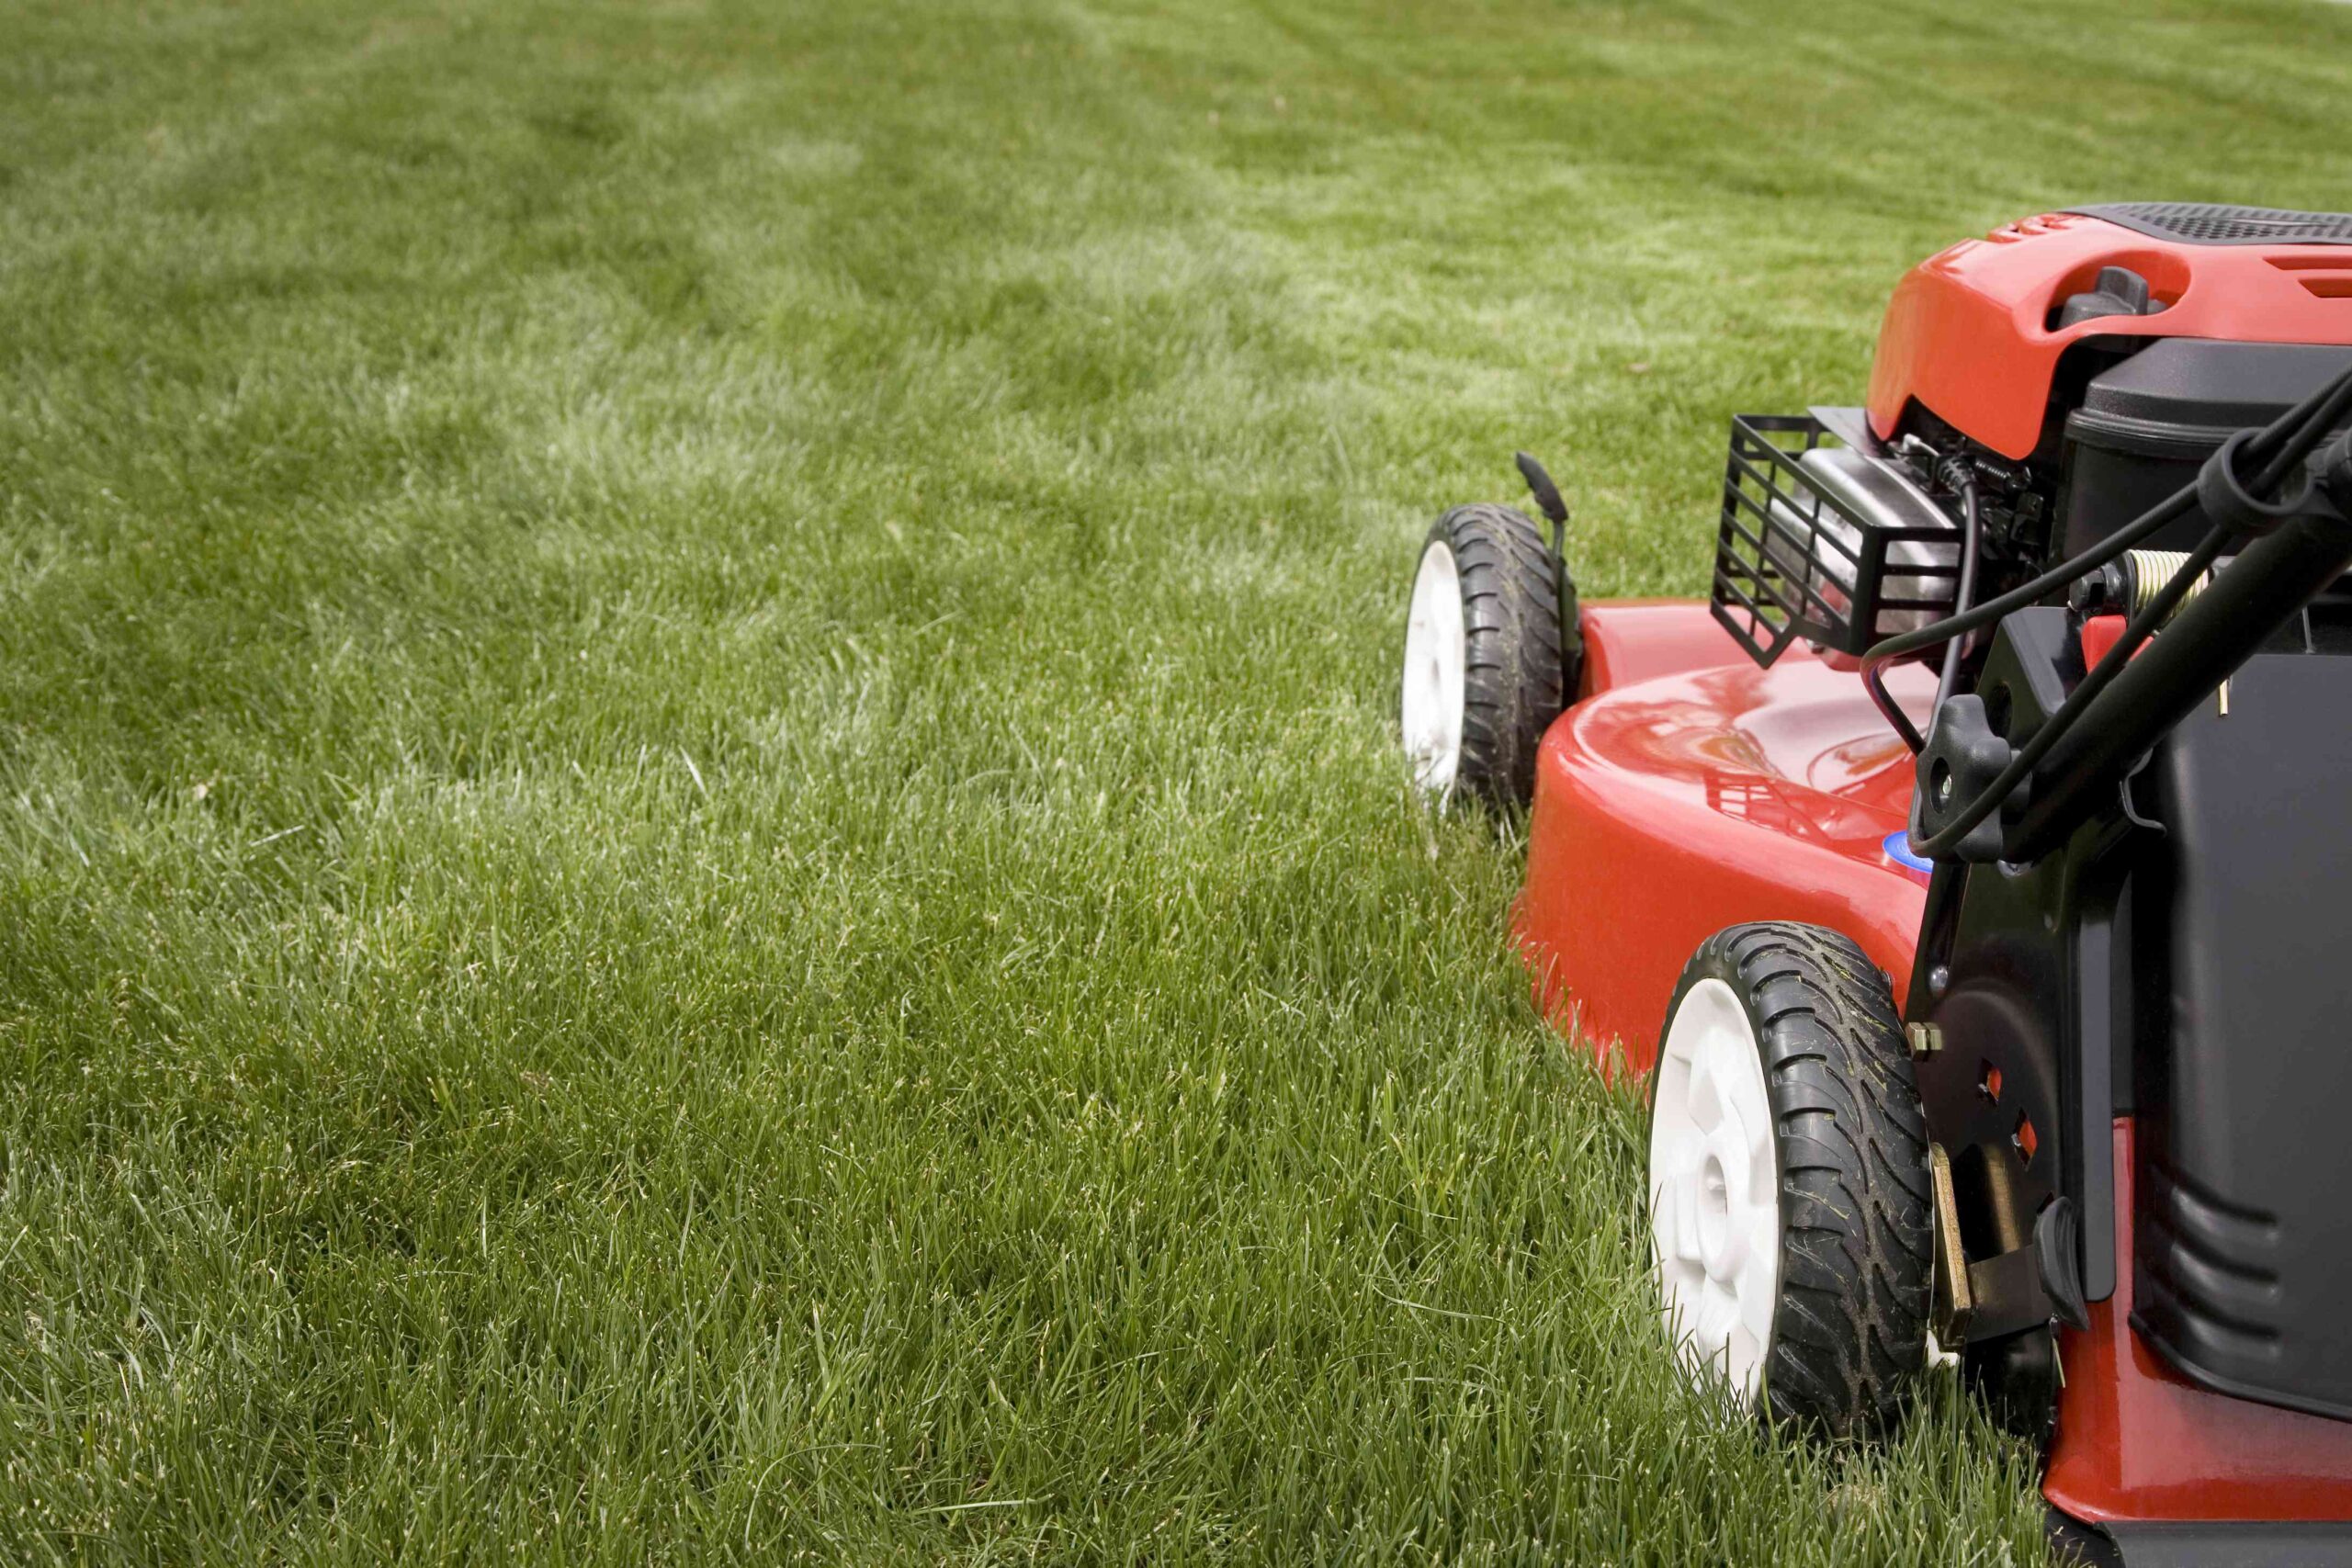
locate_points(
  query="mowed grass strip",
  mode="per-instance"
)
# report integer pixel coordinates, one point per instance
(699, 851)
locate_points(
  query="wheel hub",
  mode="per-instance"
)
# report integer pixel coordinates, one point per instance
(1436, 668)
(1716, 1223)
(1718, 1239)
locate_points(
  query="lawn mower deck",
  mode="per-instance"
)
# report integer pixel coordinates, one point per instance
(1969, 872)
(1687, 790)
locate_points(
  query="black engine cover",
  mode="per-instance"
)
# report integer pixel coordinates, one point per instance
(2243, 1271)
(2146, 425)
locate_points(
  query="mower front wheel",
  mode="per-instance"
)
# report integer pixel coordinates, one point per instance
(1789, 1188)
(1485, 673)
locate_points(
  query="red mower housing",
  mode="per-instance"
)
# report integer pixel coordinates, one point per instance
(1972, 334)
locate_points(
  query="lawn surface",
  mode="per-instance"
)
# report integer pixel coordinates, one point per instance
(699, 849)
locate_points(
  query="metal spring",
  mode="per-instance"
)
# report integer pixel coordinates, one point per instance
(2150, 569)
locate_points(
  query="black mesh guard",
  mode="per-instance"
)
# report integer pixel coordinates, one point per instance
(2200, 223)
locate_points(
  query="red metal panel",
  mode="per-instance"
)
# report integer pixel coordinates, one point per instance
(1692, 791)
(1631, 640)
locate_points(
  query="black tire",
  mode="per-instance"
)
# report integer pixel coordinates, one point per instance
(1850, 1323)
(1516, 676)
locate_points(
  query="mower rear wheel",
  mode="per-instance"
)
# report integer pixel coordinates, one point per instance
(1484, 674)
(1789, 1219)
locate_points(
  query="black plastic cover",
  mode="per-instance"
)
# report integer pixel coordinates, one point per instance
(2206, 223)
(2201, 389)
(2240, 1268)
(2145, 426)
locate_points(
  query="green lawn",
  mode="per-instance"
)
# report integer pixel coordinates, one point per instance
(700, 851)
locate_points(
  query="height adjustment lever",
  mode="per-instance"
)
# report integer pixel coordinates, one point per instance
(1546, 493)
(1548, 501)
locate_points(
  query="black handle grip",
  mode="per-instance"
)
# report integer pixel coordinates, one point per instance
(1540, 485)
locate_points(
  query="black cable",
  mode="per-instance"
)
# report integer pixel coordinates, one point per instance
(2332, 401)
(1875, 673)
(1874, 682)
(1991, 611)
(2151, 616)
(1970, 543)
(2335, 402)
(2292, 434)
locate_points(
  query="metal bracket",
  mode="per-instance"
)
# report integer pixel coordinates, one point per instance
(1952, 1303)
(2006, 1294)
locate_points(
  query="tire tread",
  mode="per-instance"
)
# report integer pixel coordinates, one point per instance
(1849, 1332)
(1515, 679)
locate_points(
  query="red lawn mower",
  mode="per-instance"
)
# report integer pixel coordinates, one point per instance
(1973, 869)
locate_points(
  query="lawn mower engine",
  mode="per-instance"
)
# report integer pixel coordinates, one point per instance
(1971, 868)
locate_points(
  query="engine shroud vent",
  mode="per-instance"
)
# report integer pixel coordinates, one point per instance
(2203, 224)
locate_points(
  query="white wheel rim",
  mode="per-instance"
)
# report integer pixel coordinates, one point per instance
(1435, 654)
(1715, 1190)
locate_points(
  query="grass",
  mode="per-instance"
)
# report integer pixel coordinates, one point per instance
(700, 856)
